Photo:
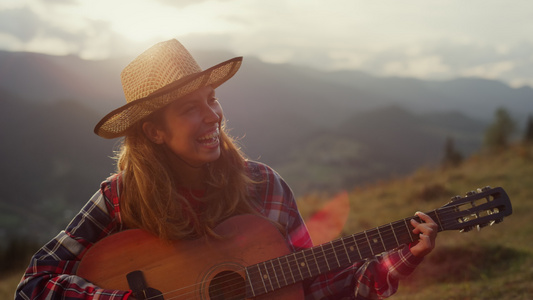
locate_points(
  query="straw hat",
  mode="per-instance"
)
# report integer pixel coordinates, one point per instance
(163, 73)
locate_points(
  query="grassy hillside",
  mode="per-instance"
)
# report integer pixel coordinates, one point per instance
(495, 263)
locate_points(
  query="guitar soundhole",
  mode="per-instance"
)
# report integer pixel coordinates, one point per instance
(227, 285)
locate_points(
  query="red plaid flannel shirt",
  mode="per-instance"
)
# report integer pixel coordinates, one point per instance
(51, 273)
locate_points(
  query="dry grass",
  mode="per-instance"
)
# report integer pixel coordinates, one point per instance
(495, 263)
(8, 284)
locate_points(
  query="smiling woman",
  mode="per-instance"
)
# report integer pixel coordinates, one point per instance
(180, 177)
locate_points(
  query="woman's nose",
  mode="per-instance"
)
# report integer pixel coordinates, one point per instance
(212, 115)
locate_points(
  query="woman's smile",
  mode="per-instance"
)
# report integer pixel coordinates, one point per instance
(211, 139)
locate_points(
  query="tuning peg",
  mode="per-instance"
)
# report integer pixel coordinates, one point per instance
(482, 226)
(466, 229)
(455, 198)
(496, 221)
(486, 188)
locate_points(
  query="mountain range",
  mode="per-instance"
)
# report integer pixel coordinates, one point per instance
(322, 131)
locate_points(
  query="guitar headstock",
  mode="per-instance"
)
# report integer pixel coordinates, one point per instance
(477, 209)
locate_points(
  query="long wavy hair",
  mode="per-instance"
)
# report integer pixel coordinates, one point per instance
(150, 199)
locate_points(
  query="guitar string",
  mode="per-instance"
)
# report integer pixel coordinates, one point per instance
(239, 286)
(387, 236)
(386, 231)
(325, 254)
(342, 261)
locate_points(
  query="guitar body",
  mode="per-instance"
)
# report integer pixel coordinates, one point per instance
(189, 269)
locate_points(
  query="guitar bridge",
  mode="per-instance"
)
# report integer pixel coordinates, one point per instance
(140, 289)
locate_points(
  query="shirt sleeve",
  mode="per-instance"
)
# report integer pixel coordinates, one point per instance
(51, 273)
(375, 278)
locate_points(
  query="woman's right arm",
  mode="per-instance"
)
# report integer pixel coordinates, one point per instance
(52, 270)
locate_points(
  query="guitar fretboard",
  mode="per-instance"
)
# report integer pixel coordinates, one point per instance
(282, 271)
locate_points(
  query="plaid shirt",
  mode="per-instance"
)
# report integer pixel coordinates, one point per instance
(51, 273)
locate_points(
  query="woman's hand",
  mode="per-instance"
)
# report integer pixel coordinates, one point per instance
(427, 231)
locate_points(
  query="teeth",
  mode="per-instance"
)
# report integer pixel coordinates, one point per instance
(210, 136)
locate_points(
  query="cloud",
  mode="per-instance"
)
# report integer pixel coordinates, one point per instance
(492, 71)
(437, 40)
(33, 30)
(430, 66)
(180, 3)
(71, 2)
(47, 26)
(440, 60)
(21, 23)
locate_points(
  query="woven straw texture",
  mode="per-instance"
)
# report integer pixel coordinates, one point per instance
(160, 75)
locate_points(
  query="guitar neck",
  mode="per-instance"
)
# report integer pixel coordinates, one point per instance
(295, 267)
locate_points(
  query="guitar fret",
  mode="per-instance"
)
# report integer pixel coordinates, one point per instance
(303, 265)
(376, 241)
(275, 273)
(259, 279)
(408, 230)
(281, 271)
(381, 238)
(363, 245)
(370, 245)
(316, 261)
(325, 257)
(438, 220)
(357, 247)
(335, 252)
(264, 276)
(312, 265)
(290, 269)
(297, 267)
(250, 282)
(346, 251)
(403, 233)
(269, 275)
(394, 233)
(342, 256)
(351, 246)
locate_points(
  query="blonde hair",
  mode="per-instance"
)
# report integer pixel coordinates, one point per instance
(150, 200)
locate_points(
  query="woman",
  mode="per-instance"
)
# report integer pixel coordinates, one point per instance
(180, 175)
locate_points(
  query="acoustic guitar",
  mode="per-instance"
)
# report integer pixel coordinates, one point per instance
(252, 260)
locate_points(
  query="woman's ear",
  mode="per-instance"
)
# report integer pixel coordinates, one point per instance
(152, 132)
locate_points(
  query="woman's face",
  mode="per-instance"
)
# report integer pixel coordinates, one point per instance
(190, 127)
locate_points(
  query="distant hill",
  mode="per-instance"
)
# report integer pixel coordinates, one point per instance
(320, 130)
(50, 162)
(376, 145)
(292, 101)
(475, 97)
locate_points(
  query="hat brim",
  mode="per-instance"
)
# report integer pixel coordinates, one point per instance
(117, 122)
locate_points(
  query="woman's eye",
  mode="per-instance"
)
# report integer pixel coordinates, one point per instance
(189, 108)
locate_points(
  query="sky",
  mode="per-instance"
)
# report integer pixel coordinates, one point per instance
(425, 39)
